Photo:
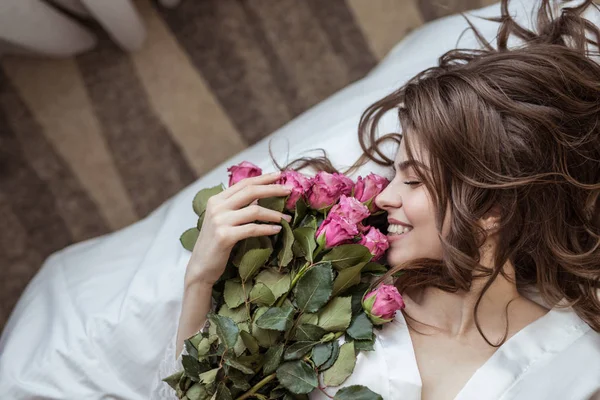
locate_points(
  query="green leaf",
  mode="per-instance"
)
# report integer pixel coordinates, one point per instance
(358, 293)
(249, 341)
(305, 238)
(173, 380)
(309, 332)
(273, 358)
(209, 376)
(373, 267)
(314, 288)
(335, 352)
(328, 337)
(191, 366)
(188, 238)
(182, 386)
(197, 392)
(252, 261)
(276, 318)
(265, 337)
(297, 250)
(242, 247)
(347, 278)
(356, 392)
(285, 255)
(278, 283)
(292, 396)
(234, 363)
(262, 295)
(196, 339)
(347, 255)
(336, 315)
(227, 329)
(191, 349)
(343, 366)
(185, 383)
(308, 318)
(237, 377)
(273, 203)
(235, 293)
(365, 345)
(223, 392)
(201, 198)
(300, 211)
(298, 350)
(297, 376)
(309, 221)
(361, 328)
(239, 314)
(240, 345)
(321, 353)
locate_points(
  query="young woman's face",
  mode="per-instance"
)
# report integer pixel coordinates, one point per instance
(407, 201)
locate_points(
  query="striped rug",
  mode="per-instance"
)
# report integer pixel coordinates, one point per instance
(91, 144)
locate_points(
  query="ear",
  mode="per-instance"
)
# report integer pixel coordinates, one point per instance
(491, 219)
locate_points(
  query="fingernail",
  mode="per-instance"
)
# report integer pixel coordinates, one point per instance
(288, 218)
(276, 228)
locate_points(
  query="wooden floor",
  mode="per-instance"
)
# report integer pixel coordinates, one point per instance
(91, 144)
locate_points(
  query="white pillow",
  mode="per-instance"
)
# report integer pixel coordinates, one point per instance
(94, 322)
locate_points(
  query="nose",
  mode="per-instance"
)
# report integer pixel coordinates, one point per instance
(389, 198)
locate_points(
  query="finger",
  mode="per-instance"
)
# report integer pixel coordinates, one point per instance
(252, 230)
(254, 213)
(256, 180)
(250, 193)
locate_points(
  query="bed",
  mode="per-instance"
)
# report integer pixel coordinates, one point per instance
(94, 322)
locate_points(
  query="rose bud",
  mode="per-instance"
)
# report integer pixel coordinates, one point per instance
(335, 230)
(299, 184)
(350, 208)
(376, 242)
(381, 304)
(243, 170)
(366, 189)
(327, 188)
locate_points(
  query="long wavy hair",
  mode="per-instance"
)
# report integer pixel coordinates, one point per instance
(515, 129)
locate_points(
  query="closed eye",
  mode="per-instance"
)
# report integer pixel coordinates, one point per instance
(411, 183)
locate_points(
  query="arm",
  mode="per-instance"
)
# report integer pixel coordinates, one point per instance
(230, 216)
(194, 308)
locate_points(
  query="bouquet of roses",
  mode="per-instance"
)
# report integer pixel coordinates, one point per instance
(285, 300)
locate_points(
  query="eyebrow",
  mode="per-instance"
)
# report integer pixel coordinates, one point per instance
(404, 165)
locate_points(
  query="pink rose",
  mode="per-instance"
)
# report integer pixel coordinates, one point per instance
(297, 182)
(350, 208)
(382, 303)
(376, 242)
(241, 171)
(336, 230)
(327, 188)
(368, 188)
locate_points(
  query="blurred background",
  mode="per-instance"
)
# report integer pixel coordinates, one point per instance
(110, 107)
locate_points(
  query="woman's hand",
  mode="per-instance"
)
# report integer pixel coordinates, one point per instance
(228, 219)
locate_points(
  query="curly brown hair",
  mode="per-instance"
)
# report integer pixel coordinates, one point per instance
(515, 129)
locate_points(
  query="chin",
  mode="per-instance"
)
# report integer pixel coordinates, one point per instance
(394, 259)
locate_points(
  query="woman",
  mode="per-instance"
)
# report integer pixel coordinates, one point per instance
(494, 217)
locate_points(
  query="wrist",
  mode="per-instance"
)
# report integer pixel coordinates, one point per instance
(192, 283)
(199, 273)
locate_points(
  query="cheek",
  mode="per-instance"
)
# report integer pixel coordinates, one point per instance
(423, 240)
(419, 210)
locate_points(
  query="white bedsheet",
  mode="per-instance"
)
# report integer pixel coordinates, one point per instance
(94, 322)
